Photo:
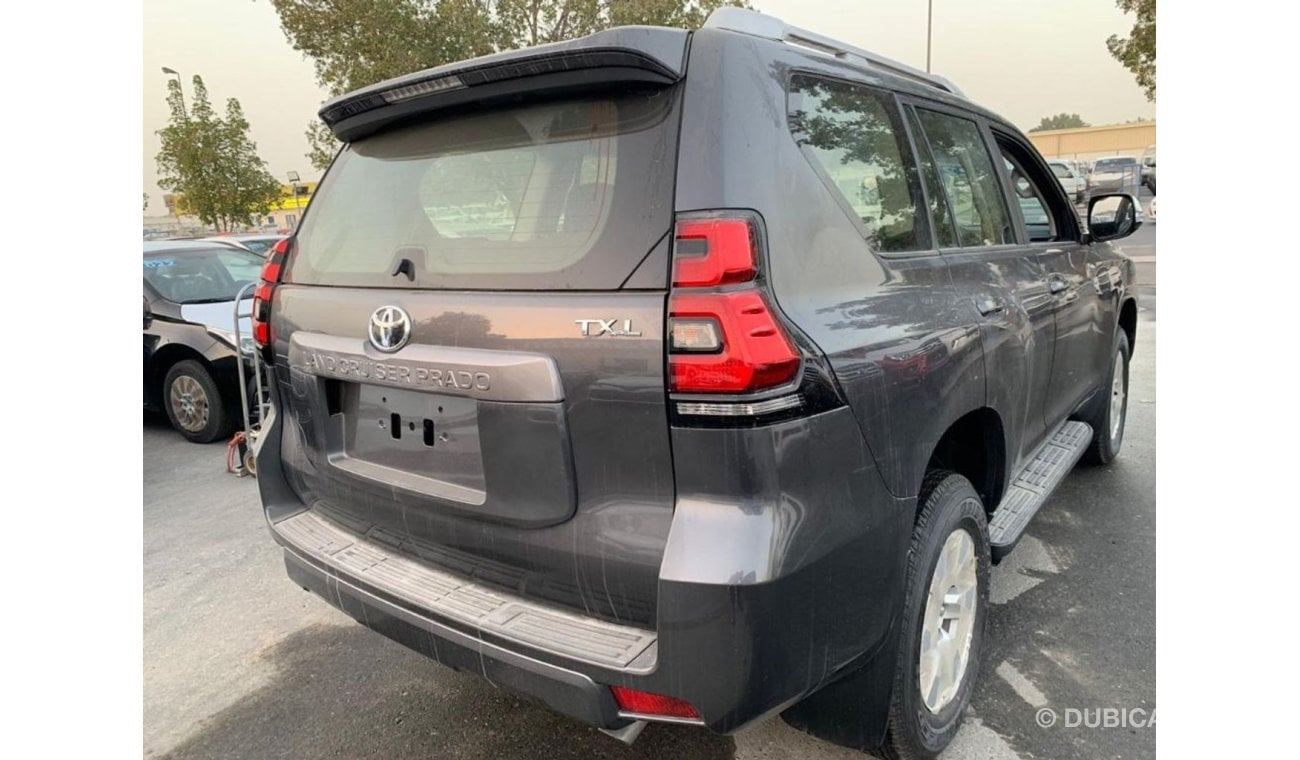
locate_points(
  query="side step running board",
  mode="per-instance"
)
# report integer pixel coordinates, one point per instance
(1030, 489)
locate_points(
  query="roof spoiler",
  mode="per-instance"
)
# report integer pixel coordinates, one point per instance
(757, 24)
(653, 56)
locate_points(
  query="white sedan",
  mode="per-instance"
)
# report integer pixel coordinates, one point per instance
(1070, 179)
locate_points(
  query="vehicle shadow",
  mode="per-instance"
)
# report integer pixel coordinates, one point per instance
(344, 692)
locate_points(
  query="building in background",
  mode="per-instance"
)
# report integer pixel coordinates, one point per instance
(282, 218)
(1091, 143)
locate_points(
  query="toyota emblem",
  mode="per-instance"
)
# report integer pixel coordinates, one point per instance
(390, 328)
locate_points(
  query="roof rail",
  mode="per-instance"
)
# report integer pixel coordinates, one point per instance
(758, 24)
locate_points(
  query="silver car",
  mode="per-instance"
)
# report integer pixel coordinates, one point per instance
(1115, 174)
(260, 244)
(1071, 179)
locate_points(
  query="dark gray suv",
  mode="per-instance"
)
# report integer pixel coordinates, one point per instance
(687, 377)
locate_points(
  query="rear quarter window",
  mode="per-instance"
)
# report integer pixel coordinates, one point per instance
(555, 195)
(854, 137)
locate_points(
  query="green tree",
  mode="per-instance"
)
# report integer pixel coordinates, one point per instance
(1060, 121)
(1137, 51)
(353, 43)
(212, 162)
(322, 145)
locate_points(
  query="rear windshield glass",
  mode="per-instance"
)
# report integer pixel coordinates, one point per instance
(259, 245)
(561, 194)
(201, 276)
(1110, 164)
(1062, 171)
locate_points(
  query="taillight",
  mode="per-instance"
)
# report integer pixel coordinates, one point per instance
(645, 703)
(752, 353)
(723, 340)
(272, 270)
(714, 252)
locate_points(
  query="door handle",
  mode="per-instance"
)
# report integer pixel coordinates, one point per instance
(1056, 284)
(989, 305)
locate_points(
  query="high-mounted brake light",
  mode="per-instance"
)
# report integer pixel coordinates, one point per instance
(426, 87)
(645, 703)
(723, 339)
(272, 271)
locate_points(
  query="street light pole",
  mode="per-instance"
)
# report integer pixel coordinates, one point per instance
(293, 182)
(297, 199)
(179, 84)
(929, 27)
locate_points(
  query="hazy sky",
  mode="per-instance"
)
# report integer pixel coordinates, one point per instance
(1024, 60)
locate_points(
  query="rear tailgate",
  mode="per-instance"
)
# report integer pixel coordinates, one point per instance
(469, 345)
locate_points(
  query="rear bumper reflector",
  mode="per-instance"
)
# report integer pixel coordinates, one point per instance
(643, 705)
(732, 409)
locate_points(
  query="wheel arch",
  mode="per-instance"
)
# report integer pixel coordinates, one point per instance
(1128, 321)
(163, 360)
(974, 446)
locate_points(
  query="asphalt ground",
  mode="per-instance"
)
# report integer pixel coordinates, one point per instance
(241, 663)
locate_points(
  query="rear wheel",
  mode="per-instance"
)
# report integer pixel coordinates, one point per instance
(193, 402)
(944, 612)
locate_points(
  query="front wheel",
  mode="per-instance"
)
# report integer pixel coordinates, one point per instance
(944, 613)
(193, 402)
(1109, 416)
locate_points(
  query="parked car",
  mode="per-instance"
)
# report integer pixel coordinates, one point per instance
(257, 243)
(599, 374)
(190, 350)
(1149, 169)
(1114, 174)
(1075, 186)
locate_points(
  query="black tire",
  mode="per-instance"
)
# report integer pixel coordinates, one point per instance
(206, 419)
(1106, 439)
(950, 504)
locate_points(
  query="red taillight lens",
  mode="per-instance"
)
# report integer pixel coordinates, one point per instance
(272, 270)
(729, 340)
(755, 352)
(714, 252)
(645, 703)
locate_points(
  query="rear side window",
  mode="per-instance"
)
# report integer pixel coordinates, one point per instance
(854, 137)
(555, 195)
(969, 179)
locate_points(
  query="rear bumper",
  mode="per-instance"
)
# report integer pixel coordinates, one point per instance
(780, 575)
(564, 690)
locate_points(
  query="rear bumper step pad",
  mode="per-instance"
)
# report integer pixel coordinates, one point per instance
(463, 601)
(1035, 483)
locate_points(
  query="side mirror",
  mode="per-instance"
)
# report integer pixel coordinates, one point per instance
(148, 313)
(1113, 216)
